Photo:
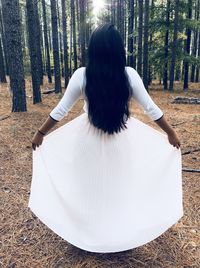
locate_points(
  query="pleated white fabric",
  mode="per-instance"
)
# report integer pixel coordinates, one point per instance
(106, 193)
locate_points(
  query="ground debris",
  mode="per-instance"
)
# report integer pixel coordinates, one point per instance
(27, 242)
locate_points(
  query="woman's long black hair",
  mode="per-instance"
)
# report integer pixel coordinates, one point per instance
(107, 87)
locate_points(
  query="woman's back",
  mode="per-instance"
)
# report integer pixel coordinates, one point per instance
(76, 88)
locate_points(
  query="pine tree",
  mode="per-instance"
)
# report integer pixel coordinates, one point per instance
(64, 28)
(140, 32)
(48, 64)
(174, 48)
(130, 31)
(2, 66)
(12, 26)
(74, 33)
(188, 33)
(165, 73)
(146, 45)
(56, 57)
(33, 50)
(82, 4)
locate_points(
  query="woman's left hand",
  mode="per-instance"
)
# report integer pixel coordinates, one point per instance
(174, 140)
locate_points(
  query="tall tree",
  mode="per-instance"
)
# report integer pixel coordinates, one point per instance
(135, 37)
(197, 70)
(60, 41)
(188, 33)
(2, 66)
(64, 29)
(46, 41)
(165, 73)
(146, 45)
(140, 31)
(4, 43)
(151, 30)
(56, 58)
(33, 50)
(82, 4)
(74, 33)
(174, 47)
(38, 40)
(12, 26)
(130, 31)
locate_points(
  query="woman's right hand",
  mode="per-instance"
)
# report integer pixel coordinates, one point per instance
(37, 140)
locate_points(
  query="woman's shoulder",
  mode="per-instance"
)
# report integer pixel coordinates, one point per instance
(130, 69)
(79, 71)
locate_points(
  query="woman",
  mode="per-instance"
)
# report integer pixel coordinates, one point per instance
(105, 181)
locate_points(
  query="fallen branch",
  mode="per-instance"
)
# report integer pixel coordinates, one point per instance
(191, 170)
(191, 151)
(48, 91)
(186, 100)
(179, 123)
(4, 117)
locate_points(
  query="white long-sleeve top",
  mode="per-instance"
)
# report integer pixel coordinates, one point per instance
(78, 81)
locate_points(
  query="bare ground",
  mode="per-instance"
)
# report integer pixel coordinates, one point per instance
(28, 243)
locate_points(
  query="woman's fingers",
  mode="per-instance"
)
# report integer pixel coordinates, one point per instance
(33, 146)
(37, 141)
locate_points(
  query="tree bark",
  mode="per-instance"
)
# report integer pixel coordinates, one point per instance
(130, 31)
(188, 33)
(46, 41)
(140, 31)
(174, 48)
(2, 66)
(165, 73)
(56, 58)
(82, 4)
(74, 34)
(4, 43)
(33, 51)
(146, 45)
(12, 26)
(64, 28)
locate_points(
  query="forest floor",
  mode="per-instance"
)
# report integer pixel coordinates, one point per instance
(27, 242)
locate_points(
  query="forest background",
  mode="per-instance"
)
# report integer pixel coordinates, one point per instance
(50, 38)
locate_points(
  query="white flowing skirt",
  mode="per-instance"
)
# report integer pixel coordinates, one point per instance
(106, 193)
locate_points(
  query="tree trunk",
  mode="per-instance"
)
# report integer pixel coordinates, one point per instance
(188, 33)
(12, 26)
(165, 73)
(130, 31)
(194, 51)
(74, 33)
(197, 70)
(195, 48)
(140, 31)
(2, 66)
(135, 37)
(60, 42)
(56, 58)
(82, 4)
(70, 51)
(64, 28)
(48, 64)
(4, 44)
(146, 45)
(33, 50)
(150, 41)
(174, 47)
(38, 40)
